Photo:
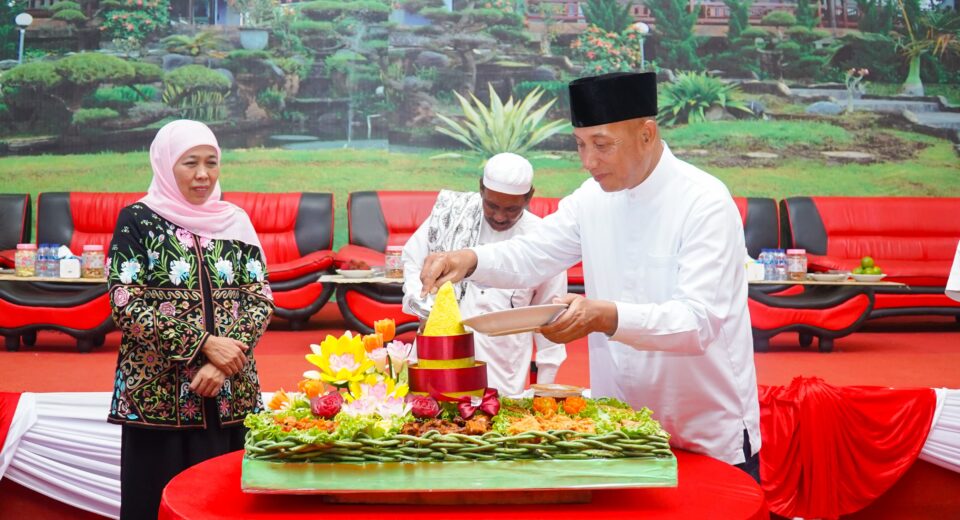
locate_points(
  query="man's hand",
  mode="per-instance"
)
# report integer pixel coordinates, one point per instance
(208, 381)
(440, 268)
(582, 317)
(226, 354)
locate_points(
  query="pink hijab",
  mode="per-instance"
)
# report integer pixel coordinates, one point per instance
(214, 218)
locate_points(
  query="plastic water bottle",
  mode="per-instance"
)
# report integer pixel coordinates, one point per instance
(53, 261)
(767, 261)
(780, 265)
(42, 252)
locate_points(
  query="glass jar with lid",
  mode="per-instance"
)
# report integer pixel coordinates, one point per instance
(394, 262)
(93, 261)
(25, 260)
(796, 265)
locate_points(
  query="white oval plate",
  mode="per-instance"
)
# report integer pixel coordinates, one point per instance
(868, 277)
(514, 321)
(828, 277)
(355, 273)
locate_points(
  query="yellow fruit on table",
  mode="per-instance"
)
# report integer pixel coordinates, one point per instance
(858, 270)
(866, 262)
(876, 270)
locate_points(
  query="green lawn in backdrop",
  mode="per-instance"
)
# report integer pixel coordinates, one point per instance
(934, 171)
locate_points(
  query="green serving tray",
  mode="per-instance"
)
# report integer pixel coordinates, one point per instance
(261, 476)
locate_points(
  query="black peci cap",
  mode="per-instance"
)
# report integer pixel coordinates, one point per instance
(618, 96)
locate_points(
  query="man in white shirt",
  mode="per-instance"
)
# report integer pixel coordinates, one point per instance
(497, 213)
(666, 294)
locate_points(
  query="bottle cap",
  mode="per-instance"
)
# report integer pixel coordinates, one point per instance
(796, 251)
(28, 247)
(93, 247)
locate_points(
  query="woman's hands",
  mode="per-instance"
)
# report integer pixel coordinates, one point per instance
(226, 354)
(208, 381)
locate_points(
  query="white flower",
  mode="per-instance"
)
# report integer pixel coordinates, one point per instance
(225, 270)
(255, 269)
(129, 270)
(179, 271)
(152, 257)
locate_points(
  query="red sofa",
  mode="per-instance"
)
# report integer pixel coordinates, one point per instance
(14, 225)
(913, 239)
(381, 218)
(296, 231)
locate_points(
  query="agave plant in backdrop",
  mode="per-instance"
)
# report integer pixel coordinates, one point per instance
(514, 126)
(691, 95)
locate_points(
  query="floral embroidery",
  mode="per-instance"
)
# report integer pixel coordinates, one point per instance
(189, 409)
(179, 271)
(129, 271)
(152, 258)
(159, 307)
(255, 270)
(225, 270)
(185, 237)
(121, 296)
(267, 291)
(168, 309)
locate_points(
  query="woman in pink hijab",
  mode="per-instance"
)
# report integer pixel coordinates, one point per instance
(189, 293)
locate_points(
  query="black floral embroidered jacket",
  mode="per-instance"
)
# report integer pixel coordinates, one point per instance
(170, 290)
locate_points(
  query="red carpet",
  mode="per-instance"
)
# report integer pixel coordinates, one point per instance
(894, 352)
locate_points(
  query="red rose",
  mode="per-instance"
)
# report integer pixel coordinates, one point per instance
(326, 405)
(423, 406)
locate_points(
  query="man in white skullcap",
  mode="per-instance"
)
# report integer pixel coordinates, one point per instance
(467, 219)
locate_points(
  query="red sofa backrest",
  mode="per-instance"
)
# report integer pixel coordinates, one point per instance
(289, 225)
(76, 219)
(381, 218)
(377, 219)
(894, 228)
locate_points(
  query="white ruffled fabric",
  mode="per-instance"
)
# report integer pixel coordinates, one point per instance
(61, 445)
(943, 442)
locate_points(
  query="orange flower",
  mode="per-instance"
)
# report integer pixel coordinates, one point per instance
(387, 329)
(545, 405)
(372, 342)
(279, 401)
(311, 387)
(574, 405)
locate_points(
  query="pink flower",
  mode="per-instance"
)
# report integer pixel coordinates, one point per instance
(267, 291)
(121, 296)
(206, 243)
(185, 237)
(167, 309)
(591, 54)
(327, 405)
(379, 357)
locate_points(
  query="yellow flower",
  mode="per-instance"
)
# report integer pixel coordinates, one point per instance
(341, 360)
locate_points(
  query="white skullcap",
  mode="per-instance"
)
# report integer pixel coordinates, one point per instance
(508, 173)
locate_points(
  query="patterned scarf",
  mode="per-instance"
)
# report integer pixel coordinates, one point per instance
(455, 224)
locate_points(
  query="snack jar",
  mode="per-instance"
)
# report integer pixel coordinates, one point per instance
(796, 265)
(93, 261)
(394, 262)
(25, 260)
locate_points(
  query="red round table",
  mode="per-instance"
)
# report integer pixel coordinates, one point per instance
(707, 488)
